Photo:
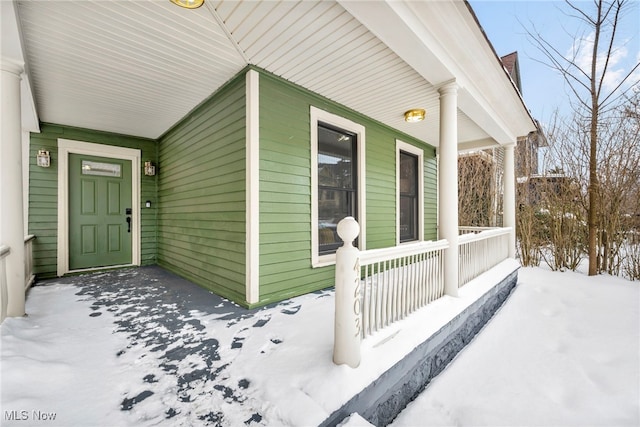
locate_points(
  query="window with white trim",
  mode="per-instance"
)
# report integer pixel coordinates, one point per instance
(337, 182)
(409, 193)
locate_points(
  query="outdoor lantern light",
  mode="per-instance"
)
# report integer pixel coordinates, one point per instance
(44, 159)
(189, 4)
(414, 115)
(149, 169)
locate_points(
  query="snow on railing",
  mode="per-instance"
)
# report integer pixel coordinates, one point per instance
(377, 287)
(29, 277)
(479, 252)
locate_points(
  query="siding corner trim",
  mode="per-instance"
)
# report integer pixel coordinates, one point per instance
(253, 187)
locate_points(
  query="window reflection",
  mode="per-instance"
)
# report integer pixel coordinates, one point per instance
(337, 184)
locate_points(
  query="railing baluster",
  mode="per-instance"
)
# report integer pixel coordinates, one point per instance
(378, 295)
(481, 251)
(365, 303)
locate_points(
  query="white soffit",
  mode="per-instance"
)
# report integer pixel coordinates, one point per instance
(322, 47)
(138, 67)
(134, 68)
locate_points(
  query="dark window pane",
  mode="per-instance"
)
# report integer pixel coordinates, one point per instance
(335, 158)
(408, 197)
(330, 212)
(408, 223)
(408, 174)
(336, 184)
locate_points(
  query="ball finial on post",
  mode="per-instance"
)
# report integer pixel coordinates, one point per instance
(347, 332)
(348, 230)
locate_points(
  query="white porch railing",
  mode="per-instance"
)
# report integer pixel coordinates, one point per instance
(480, 251)
(29, 277)
(378, 287)
(399, 280)
(474, 230)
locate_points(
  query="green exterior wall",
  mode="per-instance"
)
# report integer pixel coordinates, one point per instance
(201, 194)
(285, 187)
(197, 224)
(43, 192)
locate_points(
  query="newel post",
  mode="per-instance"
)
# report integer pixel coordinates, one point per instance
(347, 332)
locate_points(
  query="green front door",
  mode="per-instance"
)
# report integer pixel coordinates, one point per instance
(100, 217)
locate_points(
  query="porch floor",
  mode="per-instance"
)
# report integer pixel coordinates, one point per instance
(161, 350)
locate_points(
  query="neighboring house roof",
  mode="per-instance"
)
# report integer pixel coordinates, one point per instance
(512, 66)
(137, 68)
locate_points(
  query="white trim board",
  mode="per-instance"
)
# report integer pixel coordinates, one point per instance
(66, 147)
(252, 215)
(411, 149)
(318, 115)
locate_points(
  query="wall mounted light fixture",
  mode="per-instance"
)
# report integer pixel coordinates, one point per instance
(414, 115)
(189, 4)
(43, 159)
(149, 169)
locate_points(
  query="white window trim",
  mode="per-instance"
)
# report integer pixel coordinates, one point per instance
(318, 115)
(66, 147)
(411, 149)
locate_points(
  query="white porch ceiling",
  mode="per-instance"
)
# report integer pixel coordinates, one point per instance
(138, 67)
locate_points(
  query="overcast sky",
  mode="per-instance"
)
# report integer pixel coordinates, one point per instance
(506, 22)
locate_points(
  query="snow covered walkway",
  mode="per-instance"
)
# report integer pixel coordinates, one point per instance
(133, 348)
(563, 351)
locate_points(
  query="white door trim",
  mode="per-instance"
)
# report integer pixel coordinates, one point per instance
(66, 147)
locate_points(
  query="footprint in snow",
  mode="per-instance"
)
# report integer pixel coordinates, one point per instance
(261, 322)
(292, 310)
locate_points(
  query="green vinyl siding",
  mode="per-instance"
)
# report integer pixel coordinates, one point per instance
(430, 196)
(285, 187)
(201, 194)
(43, 192)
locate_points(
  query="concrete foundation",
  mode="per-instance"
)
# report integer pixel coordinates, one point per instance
(381, 401)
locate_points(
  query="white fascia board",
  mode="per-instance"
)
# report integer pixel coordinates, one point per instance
(483, 114)
(11, 48)
(29, 114)
(479, 144)
(10, 43)
(402, 32)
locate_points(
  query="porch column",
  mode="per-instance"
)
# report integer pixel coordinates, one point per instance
(448, 183)
(11, 218)
(509, 197)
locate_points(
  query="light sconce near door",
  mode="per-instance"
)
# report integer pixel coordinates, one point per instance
(43, 159)
(189, 4)
(414, 115)
(149, 169)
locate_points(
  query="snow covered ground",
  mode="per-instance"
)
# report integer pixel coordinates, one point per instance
(563, 351)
